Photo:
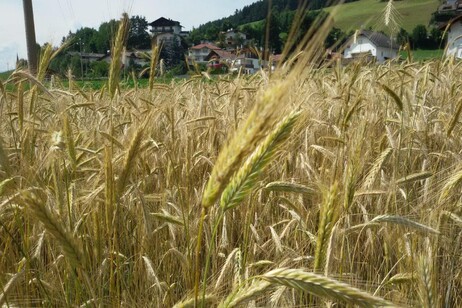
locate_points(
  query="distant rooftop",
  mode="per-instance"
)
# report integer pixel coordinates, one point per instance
(379, 39)
(206, 45)
(164, 22)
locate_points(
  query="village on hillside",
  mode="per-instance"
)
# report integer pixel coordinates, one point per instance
(234, 51)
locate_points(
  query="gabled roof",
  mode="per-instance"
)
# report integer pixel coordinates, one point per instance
(450, 22)
(379, 39)
(206, 45)
(164, 22)
(222, 54)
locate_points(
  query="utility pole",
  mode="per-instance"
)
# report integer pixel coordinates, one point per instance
(30, 36)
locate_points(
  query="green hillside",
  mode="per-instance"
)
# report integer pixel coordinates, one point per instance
(367, 13)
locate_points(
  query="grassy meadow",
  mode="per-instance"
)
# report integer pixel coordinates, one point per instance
(365, 13)
(309, 186)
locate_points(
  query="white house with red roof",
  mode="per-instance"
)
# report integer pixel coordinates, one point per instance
(199, 53)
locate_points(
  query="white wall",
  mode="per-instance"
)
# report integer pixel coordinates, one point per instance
(454, 47)
(363, 44)
(384, 54)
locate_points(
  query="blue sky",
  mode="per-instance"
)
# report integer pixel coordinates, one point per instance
(55, 18)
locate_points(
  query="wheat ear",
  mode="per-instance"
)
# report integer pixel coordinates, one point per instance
(328, 218)
(244, 140)
(71, 248)
(18, 277)
(322, 286)
(117, 53)
(129, 161)
(241, 295)
(244, 180)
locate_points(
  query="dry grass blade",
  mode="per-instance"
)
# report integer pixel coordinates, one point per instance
(323, 287)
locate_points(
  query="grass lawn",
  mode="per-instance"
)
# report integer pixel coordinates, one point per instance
(423, 55)
(368, 13)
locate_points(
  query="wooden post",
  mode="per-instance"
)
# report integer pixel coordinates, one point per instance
(30, 37)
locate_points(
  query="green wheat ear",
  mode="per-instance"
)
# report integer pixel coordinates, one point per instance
(244, 140)
(244, 180)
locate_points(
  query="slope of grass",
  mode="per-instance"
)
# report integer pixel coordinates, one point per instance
(366, 13)
(5, 75)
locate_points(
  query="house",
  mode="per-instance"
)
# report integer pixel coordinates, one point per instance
(87, 57)
(450, 5)
(199, 53)
(164, 25)
(166, 31)
(233, 38)
(374, 45)
(218, 57)
(454, 32)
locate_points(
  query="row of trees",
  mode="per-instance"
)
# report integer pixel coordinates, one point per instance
(99, 41)
(422, 38)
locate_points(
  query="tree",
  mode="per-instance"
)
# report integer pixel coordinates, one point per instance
(106, 32)
(435, 38)
(138, 37)
(403, 37)
(172, 54)
(274, 40)
(419, 37)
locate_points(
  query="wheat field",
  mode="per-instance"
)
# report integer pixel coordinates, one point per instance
(311, 186)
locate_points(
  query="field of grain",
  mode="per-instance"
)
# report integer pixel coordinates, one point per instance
(310, 186)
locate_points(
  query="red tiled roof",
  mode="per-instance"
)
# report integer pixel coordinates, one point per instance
(206, 45)
(223, 54)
